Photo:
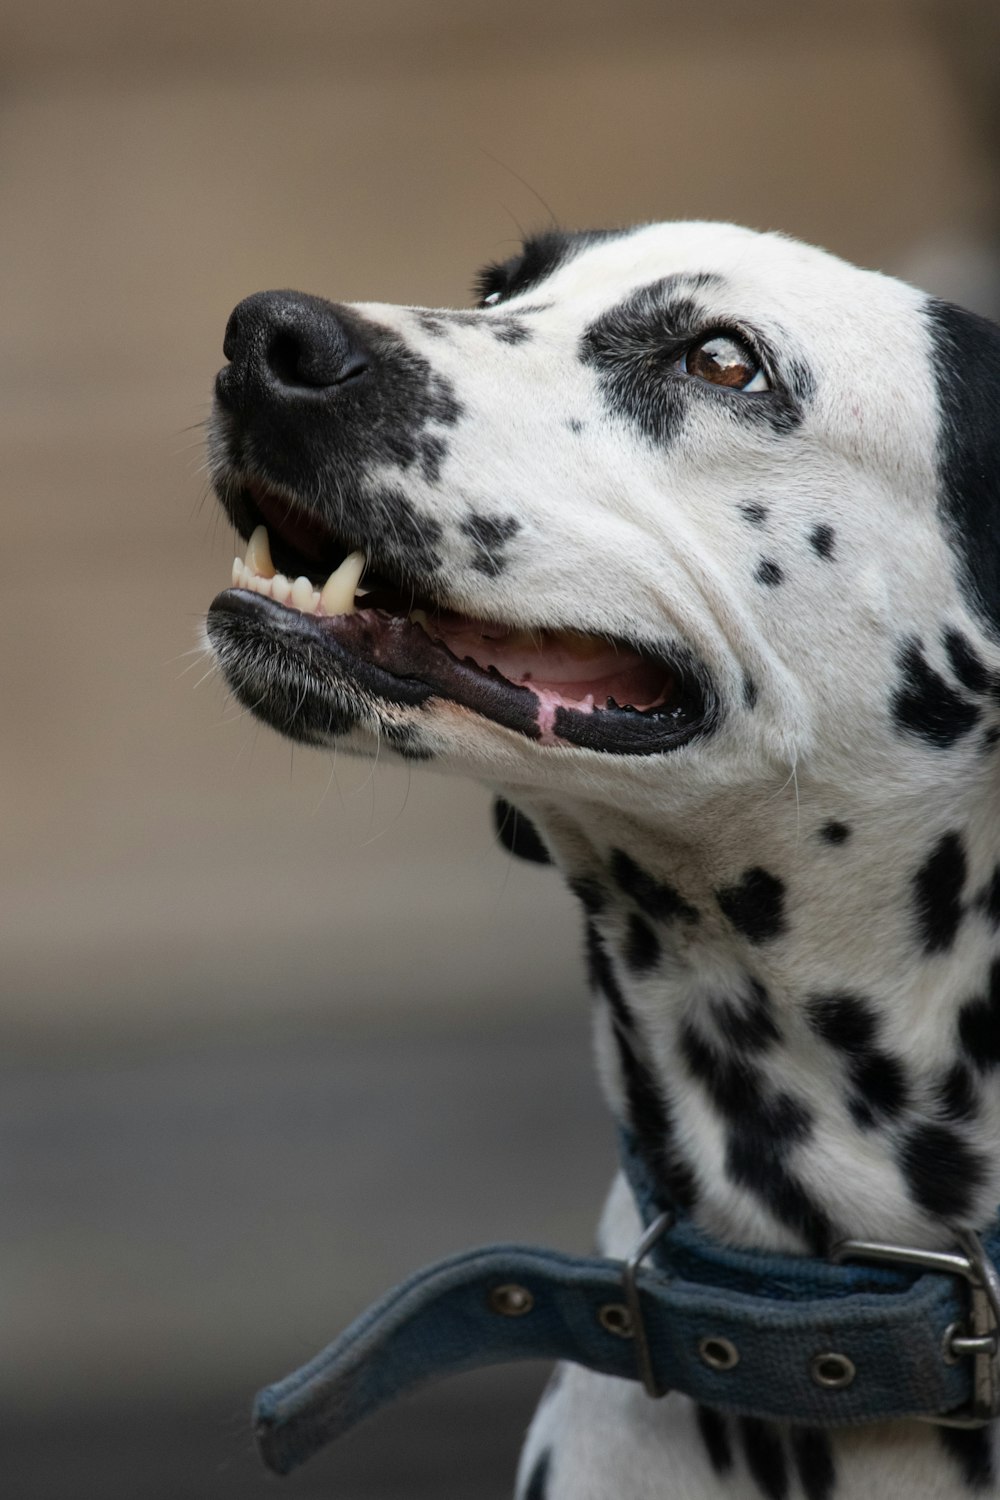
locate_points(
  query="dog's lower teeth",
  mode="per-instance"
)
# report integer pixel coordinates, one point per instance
(304, 596)
(256, 572)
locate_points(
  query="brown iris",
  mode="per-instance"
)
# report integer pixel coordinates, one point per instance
(724, 359)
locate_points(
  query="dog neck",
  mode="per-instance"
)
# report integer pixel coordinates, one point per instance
(802, 1033)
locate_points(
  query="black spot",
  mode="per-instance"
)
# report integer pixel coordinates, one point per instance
(642, 946)
(656, 898)
(821, 541)
(715, 1435)
(755, 905)
(648, 1110)
(762, 1129)
(509, 330)
(749, 692)
(813, 1456)
(748, 1025)
(835, 833)
(991, 736)
(845, 1021)
(972, 1451)
(942, 1173)
(979, 1024)
(881, 1083)
(765, 1457)
(937, 893)
(538, 1480)
(489, 535)
(753, 1163)
(433, 452)
(636, 348)
(518, 834)
(769, 572)
(925, 705)
(433, 323)
(957, 1092)
(575, 425)
(965, 662)
(755, 513)
(588, 892)
(602, 979)
(540, 255)
(988, 900)
(967, 370)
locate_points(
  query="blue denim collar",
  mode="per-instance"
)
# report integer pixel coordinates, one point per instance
(790, 1338)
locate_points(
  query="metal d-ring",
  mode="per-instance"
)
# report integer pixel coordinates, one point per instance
(630, 1286)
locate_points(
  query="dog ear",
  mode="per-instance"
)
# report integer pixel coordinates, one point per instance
(518, 834)
(966, 350)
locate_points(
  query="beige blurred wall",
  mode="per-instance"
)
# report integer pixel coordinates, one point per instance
(165, 865)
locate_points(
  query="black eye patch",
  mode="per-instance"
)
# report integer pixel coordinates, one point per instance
(638, 346)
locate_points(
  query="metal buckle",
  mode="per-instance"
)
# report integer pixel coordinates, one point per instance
(981, 1341)
(630, 1270)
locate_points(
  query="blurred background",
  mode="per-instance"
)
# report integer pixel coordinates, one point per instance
(276, 1028)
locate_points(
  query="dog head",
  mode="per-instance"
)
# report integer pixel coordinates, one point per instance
(671, 509)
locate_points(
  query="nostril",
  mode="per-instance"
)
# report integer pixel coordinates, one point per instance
(284, 358)
(312, 363)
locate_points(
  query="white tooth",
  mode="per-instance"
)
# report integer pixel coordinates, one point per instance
(302, 594)
(280, 588)
(258, 558)
(237, 572)
(419, 617)
(338, 593)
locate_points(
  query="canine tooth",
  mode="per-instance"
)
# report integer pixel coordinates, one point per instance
(281, 588)
(338, 593)
(302, 594)
(419, 617)
(258, 558)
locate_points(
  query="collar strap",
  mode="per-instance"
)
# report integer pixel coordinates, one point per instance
(771, 1336)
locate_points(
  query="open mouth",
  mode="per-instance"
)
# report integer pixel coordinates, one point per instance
(556, 686)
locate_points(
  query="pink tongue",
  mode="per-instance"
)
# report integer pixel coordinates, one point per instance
(615, 672)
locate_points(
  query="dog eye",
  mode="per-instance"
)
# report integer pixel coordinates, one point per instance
(492, 299)
(724, 359)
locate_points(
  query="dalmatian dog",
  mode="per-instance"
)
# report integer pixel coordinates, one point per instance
(686, 540)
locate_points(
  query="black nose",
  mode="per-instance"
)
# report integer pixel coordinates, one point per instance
(287, 346)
